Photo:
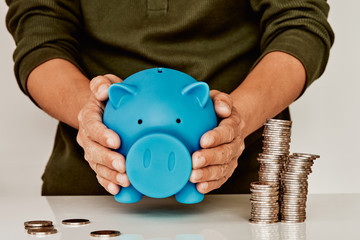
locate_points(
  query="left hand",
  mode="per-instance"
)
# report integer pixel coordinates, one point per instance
(214, 164)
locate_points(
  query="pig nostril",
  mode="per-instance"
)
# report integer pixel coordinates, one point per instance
(171, 161)
(147, 158)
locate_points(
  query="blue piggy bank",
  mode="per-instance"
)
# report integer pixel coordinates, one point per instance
(160, 115)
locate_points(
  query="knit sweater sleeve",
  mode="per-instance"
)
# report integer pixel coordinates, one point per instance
(42, 30)
(299, 28)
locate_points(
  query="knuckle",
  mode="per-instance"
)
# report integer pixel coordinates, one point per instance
(228, 152)
(78, 139)
(223, 171)
(86, 157)
(108, 159)
(96, 81)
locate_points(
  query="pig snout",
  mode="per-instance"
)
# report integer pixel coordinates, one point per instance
(158, 165)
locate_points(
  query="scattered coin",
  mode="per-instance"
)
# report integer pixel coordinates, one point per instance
(40, 227)
(44, 227)
(75, 222)
(105, 233)
(38, 223)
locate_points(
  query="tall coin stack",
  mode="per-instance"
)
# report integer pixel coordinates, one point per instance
(276, 148)
(294, 187)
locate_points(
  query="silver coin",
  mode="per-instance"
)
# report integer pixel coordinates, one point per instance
(40, 227)
(41, 232)
(105, 233)
(38, 223)
(75, 222)
(307, 154)
(262, 221)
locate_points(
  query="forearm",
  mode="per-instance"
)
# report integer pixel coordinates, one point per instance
(60, 89)
(276, 81)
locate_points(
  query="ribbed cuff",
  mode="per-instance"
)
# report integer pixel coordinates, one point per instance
(303, 45)
(34, 59)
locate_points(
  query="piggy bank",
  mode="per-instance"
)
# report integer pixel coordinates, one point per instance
(160, 115)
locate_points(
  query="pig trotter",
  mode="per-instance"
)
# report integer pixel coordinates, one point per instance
(128, 195)
(189, 195)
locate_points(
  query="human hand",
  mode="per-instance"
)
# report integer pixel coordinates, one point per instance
(214, 164)
(98, 141)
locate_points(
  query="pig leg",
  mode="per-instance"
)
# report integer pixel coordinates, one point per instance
(128, 195)
(189, 195)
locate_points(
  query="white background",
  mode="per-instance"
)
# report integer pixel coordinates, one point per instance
(326, 119)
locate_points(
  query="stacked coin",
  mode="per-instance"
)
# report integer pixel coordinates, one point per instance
(264, 202)
(294, 187)
(40, 227)
(276, 148)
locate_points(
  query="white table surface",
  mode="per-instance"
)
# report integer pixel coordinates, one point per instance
(218, 217)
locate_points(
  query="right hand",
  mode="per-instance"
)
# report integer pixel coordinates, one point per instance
(98, 141)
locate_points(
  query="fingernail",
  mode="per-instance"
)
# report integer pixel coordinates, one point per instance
(200, 161)
(198, 174)
(110, 142)
(119, 178)
(204, 186)
(113, 189)
(117, 165)
(209, 140)
(102, 91)
(224, 107)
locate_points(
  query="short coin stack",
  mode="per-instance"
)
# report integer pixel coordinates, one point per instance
(40, 227)
(294, 187)
(265, 202)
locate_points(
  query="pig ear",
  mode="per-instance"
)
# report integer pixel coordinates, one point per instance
(119, 91)
(199, 90)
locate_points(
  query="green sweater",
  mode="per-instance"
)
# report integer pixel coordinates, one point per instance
(215, 41)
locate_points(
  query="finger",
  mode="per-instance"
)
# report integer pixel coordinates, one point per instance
(213, 172)
(222, 103)
(110, 174)
(113, 78)
(90, 121)
(98, 154)
(100, 85)
(218, 155)
(109, 186)
(205, 187)
(209, 173)
(225, 132)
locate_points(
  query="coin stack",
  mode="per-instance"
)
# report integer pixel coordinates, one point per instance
(294, 187)
(265, 202)
(276, 149)
(40, 227)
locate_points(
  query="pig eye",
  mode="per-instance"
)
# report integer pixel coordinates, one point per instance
(178, 120)
(139, 121)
